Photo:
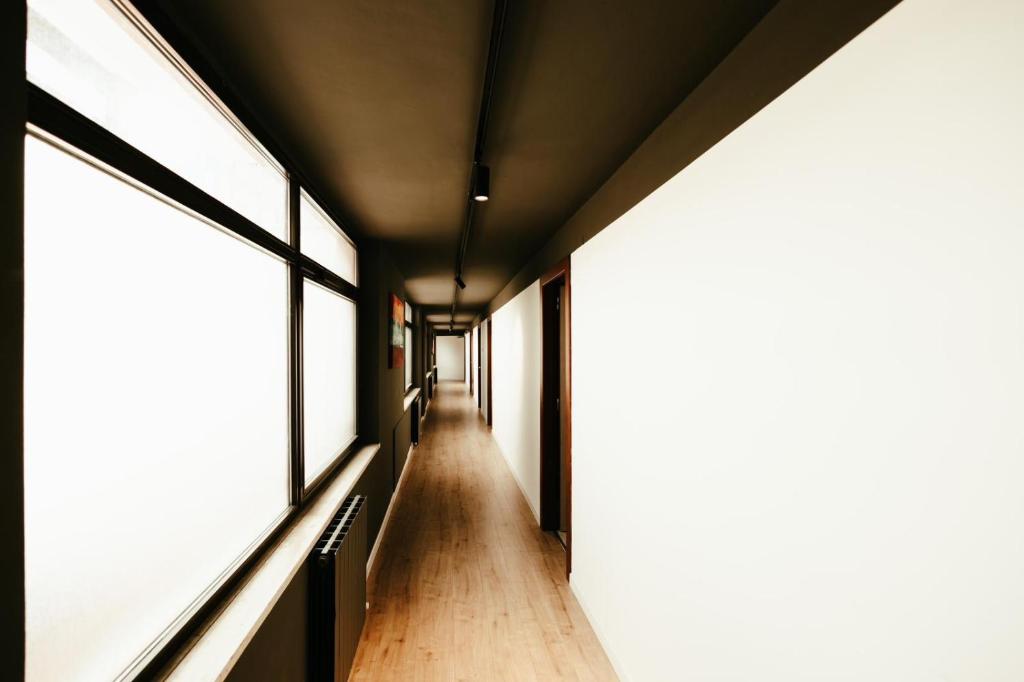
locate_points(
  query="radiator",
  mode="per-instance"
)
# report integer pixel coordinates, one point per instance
(337, 593)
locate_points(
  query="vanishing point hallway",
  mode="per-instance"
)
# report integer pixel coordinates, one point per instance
(467, 587)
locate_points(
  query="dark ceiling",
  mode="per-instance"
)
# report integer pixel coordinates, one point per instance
(378, 101)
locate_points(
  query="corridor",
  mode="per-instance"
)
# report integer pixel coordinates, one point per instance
(315, 314)
(467, 587)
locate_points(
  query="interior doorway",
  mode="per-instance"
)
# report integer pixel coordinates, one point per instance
(556, 408)
(451, 357)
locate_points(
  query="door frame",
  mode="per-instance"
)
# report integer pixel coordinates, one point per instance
(550, 455)
(490, 364)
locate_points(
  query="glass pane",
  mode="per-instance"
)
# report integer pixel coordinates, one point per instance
(329, 375)
(408, 357)
(87, 54)
(324, 242)
(156, 412)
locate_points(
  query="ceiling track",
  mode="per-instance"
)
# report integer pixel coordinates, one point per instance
(493, 52)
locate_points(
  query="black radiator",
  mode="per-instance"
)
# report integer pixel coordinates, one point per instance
(337, 593)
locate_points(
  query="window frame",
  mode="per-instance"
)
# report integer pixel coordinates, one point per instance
(54, 122)
(411, 327)
(316, 206)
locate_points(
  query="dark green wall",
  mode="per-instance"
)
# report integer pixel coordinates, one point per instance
(12, 161)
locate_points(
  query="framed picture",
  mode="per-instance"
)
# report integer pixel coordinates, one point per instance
(396, 332)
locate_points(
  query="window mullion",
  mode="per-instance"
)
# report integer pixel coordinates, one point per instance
(94, 144)
(295, 388)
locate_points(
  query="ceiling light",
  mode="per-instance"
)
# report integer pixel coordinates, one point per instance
(481, 182)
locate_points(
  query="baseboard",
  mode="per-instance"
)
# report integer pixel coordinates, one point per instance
(616, 664)
(515, 477)
(387, 515)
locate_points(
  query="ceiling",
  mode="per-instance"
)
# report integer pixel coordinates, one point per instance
(377, 100)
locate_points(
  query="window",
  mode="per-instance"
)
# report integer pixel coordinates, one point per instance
(92, 57)
(324, 242)
(163, 401)
(156, 412)
(329, 384)
(408, 357)
(408, 345)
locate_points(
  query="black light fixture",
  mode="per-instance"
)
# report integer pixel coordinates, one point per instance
(481, 182)
(458, 280)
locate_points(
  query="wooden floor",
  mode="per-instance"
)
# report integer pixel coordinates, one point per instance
(466, 587)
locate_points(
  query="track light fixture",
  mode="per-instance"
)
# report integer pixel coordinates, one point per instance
(481, 182)
(480, 175)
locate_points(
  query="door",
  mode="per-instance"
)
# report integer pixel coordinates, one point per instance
(556, 407)
(563, 390)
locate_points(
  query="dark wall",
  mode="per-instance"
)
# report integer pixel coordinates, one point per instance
(278, 650)
(402, 439)
(382, 389)
(371, 352)
(792, 39)
(12, 162)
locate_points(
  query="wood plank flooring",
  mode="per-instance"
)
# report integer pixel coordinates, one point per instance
(466, 587)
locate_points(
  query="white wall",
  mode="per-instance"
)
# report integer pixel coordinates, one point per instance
(451, 358)
(516, 353)
(819, 474)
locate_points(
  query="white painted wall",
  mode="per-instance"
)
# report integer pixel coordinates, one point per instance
(451, 358)
(516, 354)
(819, 473)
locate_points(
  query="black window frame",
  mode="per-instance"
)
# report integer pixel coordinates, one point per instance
(410, 325)
(53, 121)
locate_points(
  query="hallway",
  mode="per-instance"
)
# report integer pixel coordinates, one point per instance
(467, 587)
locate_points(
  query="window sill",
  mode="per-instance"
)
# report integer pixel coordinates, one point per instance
(212, 653)
(410, 398)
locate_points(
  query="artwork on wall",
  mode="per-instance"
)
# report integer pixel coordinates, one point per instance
(396, 332)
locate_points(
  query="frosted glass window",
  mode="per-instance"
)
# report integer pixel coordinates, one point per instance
(87, 54)
(156, 412)
(329, 376)
(408, 357)
(323, 241)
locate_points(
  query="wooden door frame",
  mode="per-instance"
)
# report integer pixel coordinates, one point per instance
(490, 365)
(556, 275)
(469, 362)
